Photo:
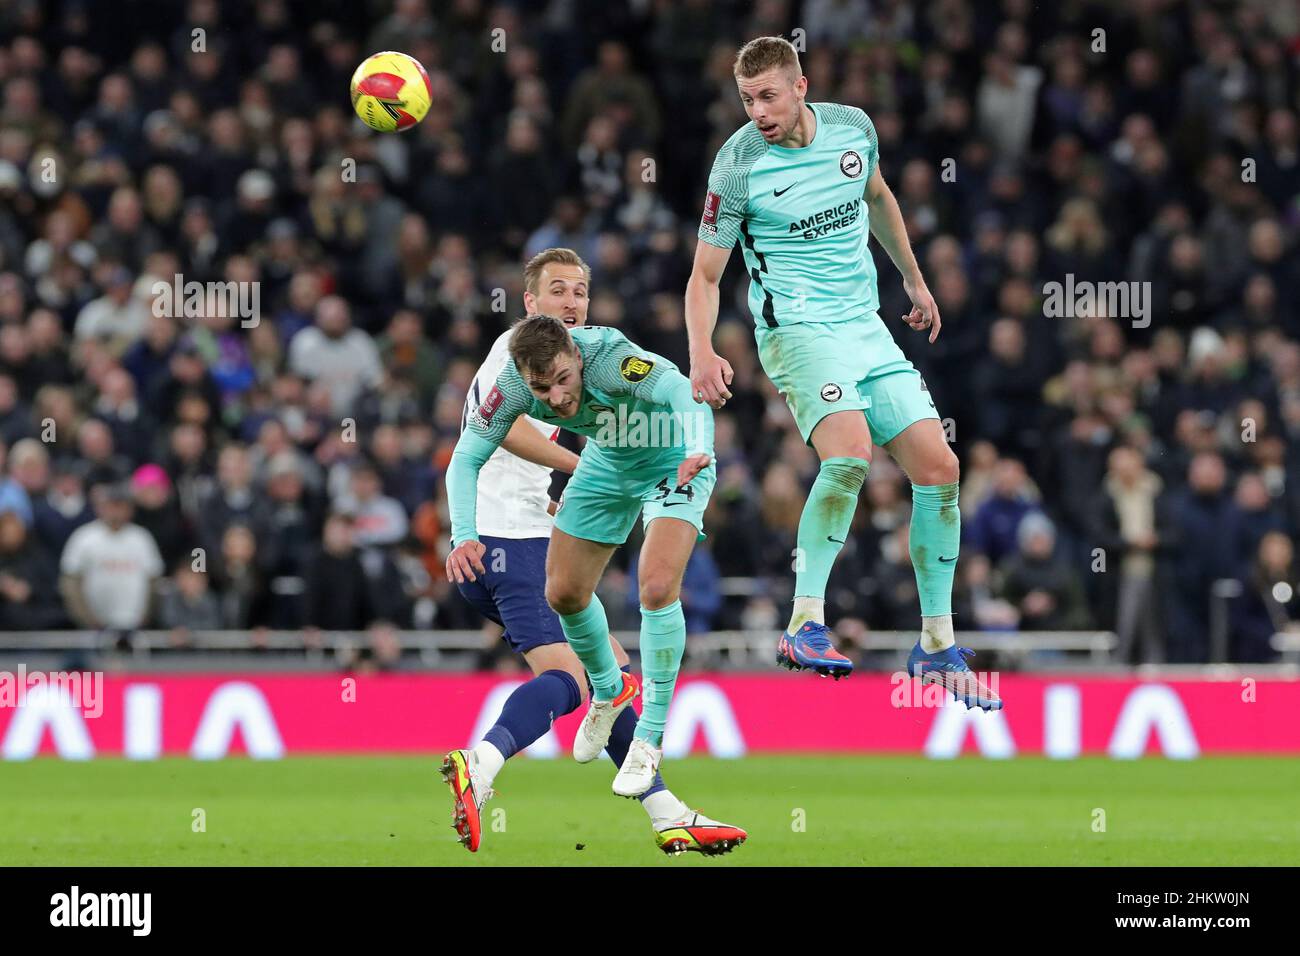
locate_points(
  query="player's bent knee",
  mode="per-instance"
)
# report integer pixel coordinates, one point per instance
(938, 467)
(945, 469)
(656, 594)
(950, 468)
(559, 658)
(565, 599)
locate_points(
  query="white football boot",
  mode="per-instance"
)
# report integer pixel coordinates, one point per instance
(638, 771)
(598, 723)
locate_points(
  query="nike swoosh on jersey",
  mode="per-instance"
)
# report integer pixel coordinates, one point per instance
(778, 192)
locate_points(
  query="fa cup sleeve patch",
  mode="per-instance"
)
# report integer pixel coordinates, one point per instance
(490, 405)
(712, 203)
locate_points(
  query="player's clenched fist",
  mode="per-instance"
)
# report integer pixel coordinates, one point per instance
(464, 560)
(690, 467)
(710, 376)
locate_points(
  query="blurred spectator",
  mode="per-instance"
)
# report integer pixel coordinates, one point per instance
(1269, 603)
(993, 532)
(189, 604)
(64, 507)
(376, 518)
(338, 596)
(407, 354)
(109, 566)
(229, 499)
(1039, 581)
(117, 318)
(13, 496)
(118, 408)
(29, 593)
(1128, 527)
(612, 87)
(1201, 514)
(334, 354)
(1256, 516)
(158, 513)
(287, 525)
(1007, 388)
(240, 583)
(15, 415)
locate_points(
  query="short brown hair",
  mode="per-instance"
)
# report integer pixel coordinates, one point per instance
(533, 271)
(537, 342)
(766, 53)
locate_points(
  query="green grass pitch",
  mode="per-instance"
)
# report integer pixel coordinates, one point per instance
(366, 811)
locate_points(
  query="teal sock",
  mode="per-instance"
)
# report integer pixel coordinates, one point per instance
(663, 640)
(935, 537)
(588, 635)
(825, 522)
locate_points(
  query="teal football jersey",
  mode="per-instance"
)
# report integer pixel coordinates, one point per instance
(800, 217)
(623, 388)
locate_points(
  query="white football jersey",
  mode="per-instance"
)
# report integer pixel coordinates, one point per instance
(513, 494)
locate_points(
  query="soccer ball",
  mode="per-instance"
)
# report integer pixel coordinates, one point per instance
(391, 91)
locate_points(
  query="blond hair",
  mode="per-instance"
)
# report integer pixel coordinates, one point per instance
(766, 53)
(557, 254)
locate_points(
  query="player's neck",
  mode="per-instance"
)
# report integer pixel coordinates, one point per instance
(803, 131)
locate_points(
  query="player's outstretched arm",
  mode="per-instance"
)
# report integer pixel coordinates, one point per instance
(484, 432)
(710, 372)
(526, 442)
(467, 460)
(889, 229)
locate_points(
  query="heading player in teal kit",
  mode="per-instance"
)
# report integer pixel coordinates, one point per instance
(800, 190)
(594, 382)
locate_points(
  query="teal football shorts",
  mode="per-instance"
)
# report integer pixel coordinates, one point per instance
(826, 367)
(603, 498)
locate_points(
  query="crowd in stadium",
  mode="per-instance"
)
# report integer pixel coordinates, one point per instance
(1117, 469)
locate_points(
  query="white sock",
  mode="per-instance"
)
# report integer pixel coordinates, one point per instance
(807, 609)
(936, 633)
(489, 761)
(664, 807)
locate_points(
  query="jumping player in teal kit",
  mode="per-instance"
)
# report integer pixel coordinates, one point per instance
(800, 190)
